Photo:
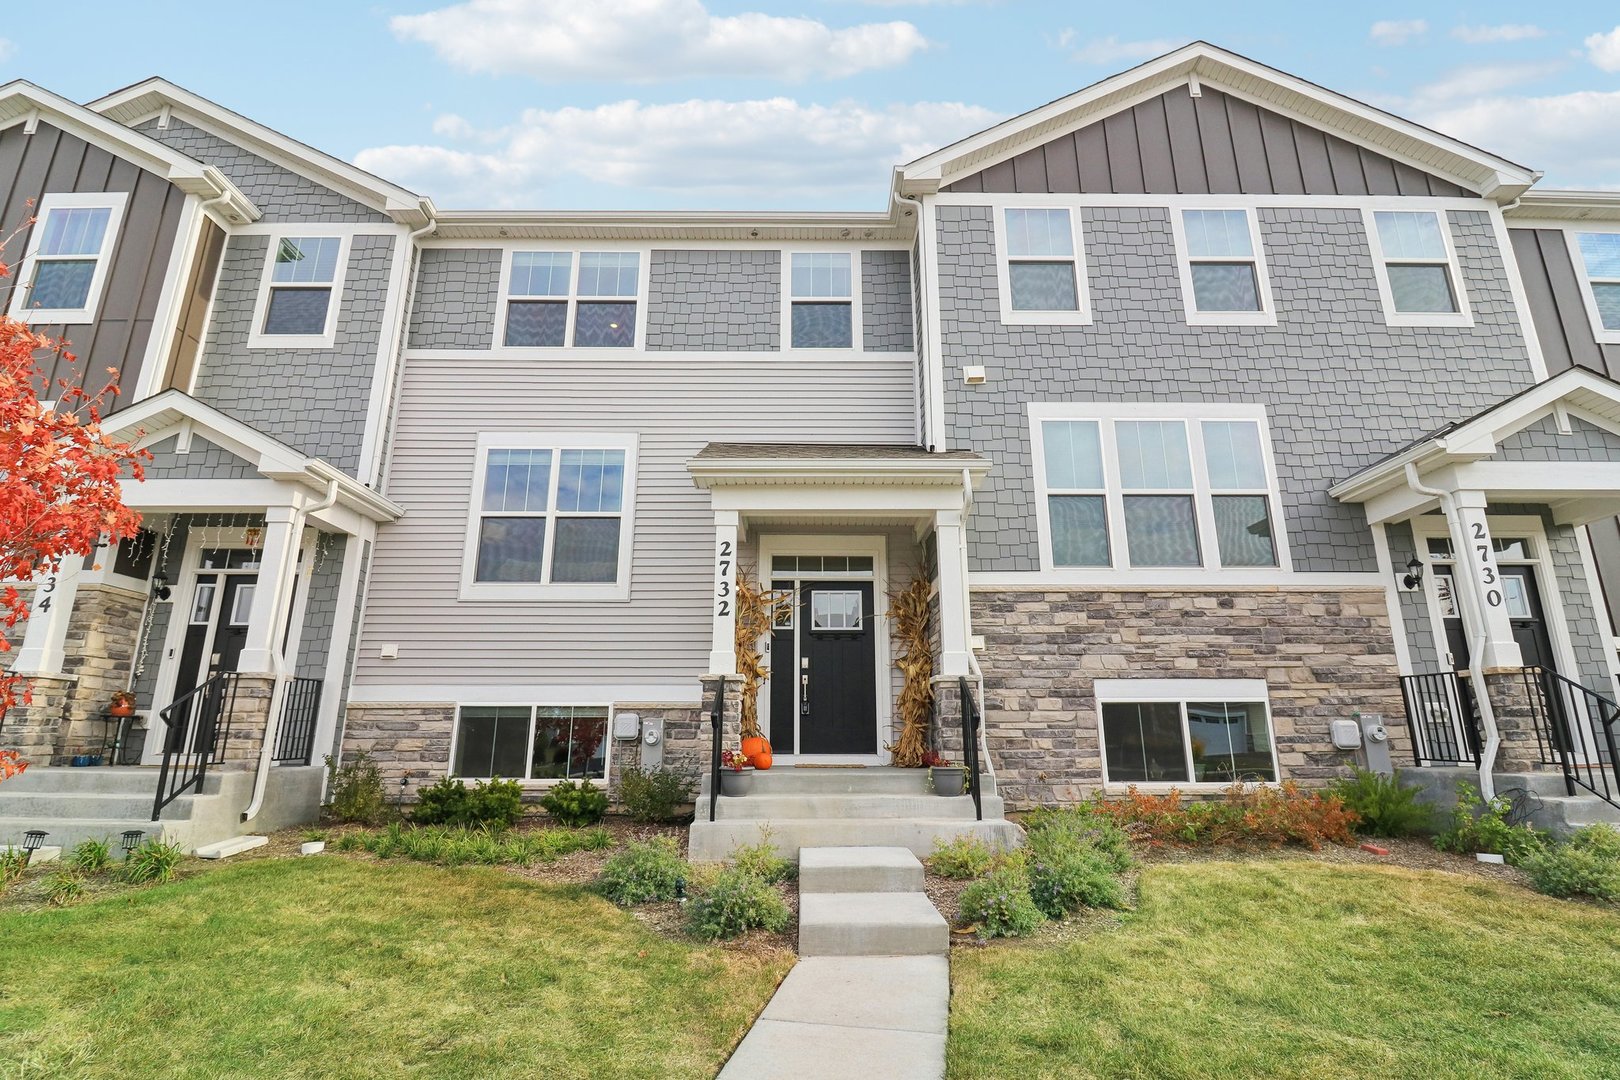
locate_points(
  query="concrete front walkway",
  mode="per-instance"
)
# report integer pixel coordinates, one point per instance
(850, 1016)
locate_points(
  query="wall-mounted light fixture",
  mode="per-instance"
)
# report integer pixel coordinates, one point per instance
(160, 586)
(1414, 573)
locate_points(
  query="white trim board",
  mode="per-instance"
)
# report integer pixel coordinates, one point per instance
(378, 695)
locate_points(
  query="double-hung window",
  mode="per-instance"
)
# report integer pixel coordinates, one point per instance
(821, 300)
(1597, 259)
(1042, 273)
(1418, 278)
(523, 742)
(1223, 276)
(551, 518)
(587, 298)
(1162, 487)
(1185, 731)
(299, 294)
(68, 258)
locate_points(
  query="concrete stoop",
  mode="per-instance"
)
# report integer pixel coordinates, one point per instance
(1551, 806)
(798, 808)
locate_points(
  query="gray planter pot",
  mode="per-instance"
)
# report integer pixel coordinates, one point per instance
(735, 784)
(949, 780)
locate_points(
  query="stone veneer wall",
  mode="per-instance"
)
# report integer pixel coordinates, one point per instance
(98, 654)
(1325, 653)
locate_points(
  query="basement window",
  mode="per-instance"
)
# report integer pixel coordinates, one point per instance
(524, 742)
(1185, 731)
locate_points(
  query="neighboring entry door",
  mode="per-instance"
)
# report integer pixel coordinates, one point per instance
(1522, 599)
(217, 627)
(837, 669)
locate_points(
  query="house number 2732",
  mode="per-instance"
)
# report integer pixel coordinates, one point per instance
(724, 560)
(1487, 566)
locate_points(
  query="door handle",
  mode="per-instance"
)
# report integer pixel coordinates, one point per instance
(804, 686)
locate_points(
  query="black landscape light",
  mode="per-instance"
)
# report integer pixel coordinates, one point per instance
(33, 840)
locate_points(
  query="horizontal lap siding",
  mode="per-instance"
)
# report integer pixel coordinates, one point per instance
(1214, 144)
(675, 406)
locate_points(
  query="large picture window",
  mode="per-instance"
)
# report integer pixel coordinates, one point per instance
(1167, 489)
(1597, 259)
(1185, 732)
(1418, 276)
(549, 517)
(587, 298)
(69, 253)
(545, 742)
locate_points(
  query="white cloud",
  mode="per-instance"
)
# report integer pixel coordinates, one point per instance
(1604, 50)
(1397, 31)
(1476, 81)
(1571, 136)
(1492, 35)
(776, 151)
(649, 40)
(1111, 50)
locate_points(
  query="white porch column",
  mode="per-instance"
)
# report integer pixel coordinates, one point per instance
(45, 634)
(723, 644)
(950, 536)
(267, 618)
(1476, 564)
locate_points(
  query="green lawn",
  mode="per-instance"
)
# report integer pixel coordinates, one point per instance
(330, 967)
(1299, 969)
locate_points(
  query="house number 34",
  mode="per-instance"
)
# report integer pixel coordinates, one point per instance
(1487, 568)
(724, 560)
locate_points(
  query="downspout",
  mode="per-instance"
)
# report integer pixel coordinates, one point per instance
(278, 664)
(967, 621)
(926, 434)
(1476, 651)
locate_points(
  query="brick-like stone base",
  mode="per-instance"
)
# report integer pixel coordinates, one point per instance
(1324, 654)
(35, 729)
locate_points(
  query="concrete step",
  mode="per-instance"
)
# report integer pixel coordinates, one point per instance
(770, 807)
(874, 780)
(871, 924)
(66, 833)
(1576, 811)
(714, 841)
(858, 869)
(123, 780)
(50, 805)
(224, 849)
(1536, 783)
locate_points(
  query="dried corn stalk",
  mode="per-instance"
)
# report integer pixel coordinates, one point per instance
(757, 611)
(910, 611)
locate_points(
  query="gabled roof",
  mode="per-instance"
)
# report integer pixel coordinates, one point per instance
(174, 413)
(1468, 166)
(22, 102)
(151, 97)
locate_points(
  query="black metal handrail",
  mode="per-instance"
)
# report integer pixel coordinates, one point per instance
(1441, 715)
(970, 744)
(295, 741)
(1576, 730)
(198, 724)
(717, 716)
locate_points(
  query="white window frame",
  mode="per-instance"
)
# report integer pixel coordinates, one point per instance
(1183, 691)
(1190, 413)
(556, 442)
(115, 203)
(1603, 334)
(856, 326)
(1463, 316)
(1011, 316)
(572, 299)
(1267, 315)
(528, 756)
(327, 338)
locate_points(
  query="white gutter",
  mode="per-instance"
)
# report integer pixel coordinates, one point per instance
(278, 664)
(1476, 650)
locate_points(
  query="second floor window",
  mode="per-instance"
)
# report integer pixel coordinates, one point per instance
(1600, 259)
(68, 257)
(301, 284)
(1223, 276)
(588, 298)
(822, 295)
(1043, 273)
(1417, 271)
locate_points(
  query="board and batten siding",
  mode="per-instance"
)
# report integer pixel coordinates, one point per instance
(675, 405)
(51, 161)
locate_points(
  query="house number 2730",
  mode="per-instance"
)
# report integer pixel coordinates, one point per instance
(722, 578)
(1487, 569)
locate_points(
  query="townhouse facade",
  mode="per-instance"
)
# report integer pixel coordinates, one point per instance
(1240, 431)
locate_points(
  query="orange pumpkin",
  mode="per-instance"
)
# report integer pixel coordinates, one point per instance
(754, 744)
(762, 760)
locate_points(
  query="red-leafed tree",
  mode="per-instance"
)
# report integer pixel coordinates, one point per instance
(59, 480)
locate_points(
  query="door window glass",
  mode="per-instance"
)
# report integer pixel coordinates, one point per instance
(242, 604)
(1516, 597)
(835, 610)
(203, 603)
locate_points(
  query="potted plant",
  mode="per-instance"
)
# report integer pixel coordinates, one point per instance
(949, 780)
(123, 704)
(736, 775)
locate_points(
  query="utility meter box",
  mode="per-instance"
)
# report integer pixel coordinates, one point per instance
(1377, 742)
(1346, 734)
(626, 725)
(652, 743)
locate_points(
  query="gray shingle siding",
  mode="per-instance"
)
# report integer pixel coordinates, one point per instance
(280, 194)
(205, 462)
(315, 400)
(320, 609)
(1341, 389)
(718, 301)
(456, 293)
(886, 320)
(1415, 621)
(1541, 441)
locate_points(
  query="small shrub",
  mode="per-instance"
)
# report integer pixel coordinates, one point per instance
(314, 836)
(654, 794)
(735, 902)
(1081, 826)
(355, 791)
(1567, 870)
(486, 845)
(13, 864)
(575, 804)
(1000, 904)
(440, 803)
(153, 862)
(762, 861)
(1385, 806)
(91, 856)
(1601, 840)
(960, 858)
(643, 873)
(65, 886)
(494, 802)
(1066, 875)
(1256, 814)
(1480, 826)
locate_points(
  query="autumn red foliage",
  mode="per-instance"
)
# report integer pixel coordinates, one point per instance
(1252, 814)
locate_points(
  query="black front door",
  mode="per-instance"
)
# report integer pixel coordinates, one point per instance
(1522, 598)
(217, 628)
(837, 668)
